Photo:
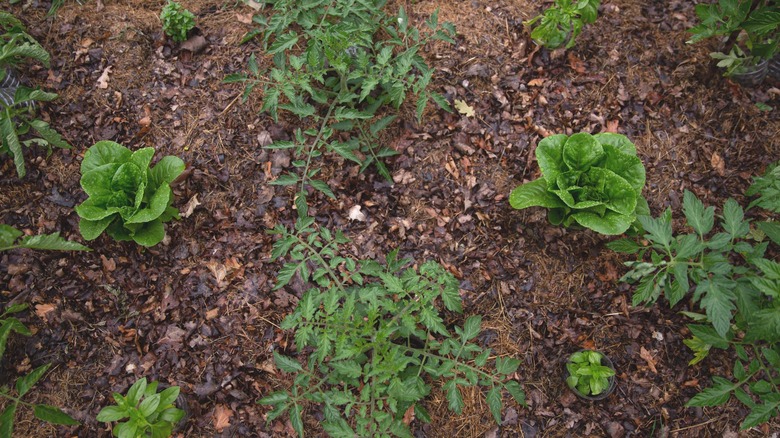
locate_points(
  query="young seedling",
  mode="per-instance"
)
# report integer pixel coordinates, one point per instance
(148, 413)
(588, 375)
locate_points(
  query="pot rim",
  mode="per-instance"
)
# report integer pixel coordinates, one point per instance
(606, 361)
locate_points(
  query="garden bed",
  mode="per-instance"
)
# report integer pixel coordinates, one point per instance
(199, 310)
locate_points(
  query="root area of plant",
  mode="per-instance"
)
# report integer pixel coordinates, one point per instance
(199, 310)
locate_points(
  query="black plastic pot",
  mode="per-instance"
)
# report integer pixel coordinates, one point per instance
(753, 75)
(605, 361)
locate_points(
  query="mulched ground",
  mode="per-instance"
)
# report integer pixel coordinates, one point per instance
(198, 310)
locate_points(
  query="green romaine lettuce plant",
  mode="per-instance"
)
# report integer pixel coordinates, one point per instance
(561, 23)
(148, 413)
(127, 199)
(594, 180)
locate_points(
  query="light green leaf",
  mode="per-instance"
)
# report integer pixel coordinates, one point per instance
(716, 395)
(286, 364)
(52, 242)
(54, 415)
(699, 218)
(534, 194)
(493, 399)
(111, 413)
(24, 384)
(7, 420)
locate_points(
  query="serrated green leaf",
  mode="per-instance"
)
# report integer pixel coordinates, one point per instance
(454, 397)
(7, 420)
(24, 384)
(286, 364)
(699, 218)
(54, 415)
(625, 246)
(493, 399)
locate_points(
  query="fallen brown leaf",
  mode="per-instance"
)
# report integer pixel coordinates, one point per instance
(648, 357)
(576, 64)
(718, 164)
(190, 206)
(43, 310)
(102, 81)
(221, 417)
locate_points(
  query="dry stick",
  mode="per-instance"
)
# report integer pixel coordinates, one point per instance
(694, 426)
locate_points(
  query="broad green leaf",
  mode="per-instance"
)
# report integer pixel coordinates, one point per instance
(771, 229)
(149, 405)
(295, 419)
(8, 235)
(618, 141)
(7, 420)
(760, 413)
(708, 335)
(149, 234)
(625, 246)
(90, 230)
(52, 242)
(286, 364)
(611, 223)
(534, 194)
(699, 218)
(516, 391)
(103, 153)
(11, 139)
(506, 365)
(718, 302)
(549, 155)
(136, 391)
(628, 167)
(716, 395)
(111, 413)
(274, 398)
(733, 219)
(493, 399)
(581, 151)
(23, 384)
(169, 395)
(165, 171)
(471, 328)
(658, 230)
(51, 136)
(454, 397)
(54, 415)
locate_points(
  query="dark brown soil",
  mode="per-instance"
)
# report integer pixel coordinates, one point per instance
(198, 311)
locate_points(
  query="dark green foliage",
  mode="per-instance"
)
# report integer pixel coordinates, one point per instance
(753, 28)
(338, 65)
(560, 24)
(127, 198)
(51, 414)
(17, 102)
(725, 272)
(374, 333)
(147, 412)
(587, 374)
(595, 181)
(11, 238)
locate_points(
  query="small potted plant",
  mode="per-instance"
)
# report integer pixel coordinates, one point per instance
(751, 29)
(590, 374)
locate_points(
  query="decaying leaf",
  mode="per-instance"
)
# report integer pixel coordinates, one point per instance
(718, 164)
(102, 81)
(190, 206)
(464, 108)
(43, 310)
(355, 214)
(648, 357)
(222, 416)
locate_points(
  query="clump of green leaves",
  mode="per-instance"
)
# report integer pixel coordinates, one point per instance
(127, 198)
(588, 374)
(728, 275)
(593, 180)
(51, 414)
(11, 238)
(561, 23)
(177, 22)
(372, 334)
(752, 27)
(148, 413)
(336, 65)
(17, 116)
